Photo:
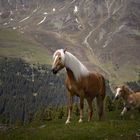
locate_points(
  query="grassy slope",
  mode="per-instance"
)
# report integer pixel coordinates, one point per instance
(114, 128)
(14, 44)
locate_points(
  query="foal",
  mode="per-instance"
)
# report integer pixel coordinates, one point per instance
(131, 99)
(80, 82)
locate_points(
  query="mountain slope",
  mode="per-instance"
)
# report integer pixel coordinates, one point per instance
(105, 33)
(15, 45)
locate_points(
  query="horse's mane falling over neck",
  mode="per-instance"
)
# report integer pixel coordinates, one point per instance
(72, 63)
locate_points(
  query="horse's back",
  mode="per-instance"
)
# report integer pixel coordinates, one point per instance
(134, 99)
(137, 97)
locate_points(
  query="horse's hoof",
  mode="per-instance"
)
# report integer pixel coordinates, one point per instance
(67, 122)
(80, 121)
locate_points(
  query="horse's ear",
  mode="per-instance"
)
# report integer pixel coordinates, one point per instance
(65, 50)
(123, 87)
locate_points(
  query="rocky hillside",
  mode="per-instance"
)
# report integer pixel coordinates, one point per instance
(103, 34)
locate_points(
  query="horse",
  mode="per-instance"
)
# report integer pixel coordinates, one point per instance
(80, 82)
(131, 98)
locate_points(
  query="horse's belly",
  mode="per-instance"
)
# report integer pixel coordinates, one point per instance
(74, 90)
(84, 90)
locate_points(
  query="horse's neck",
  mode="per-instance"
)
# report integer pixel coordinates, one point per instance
(75, 66)
(70, 74)
(125, 97)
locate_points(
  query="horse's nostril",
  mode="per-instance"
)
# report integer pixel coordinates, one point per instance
(54, 71)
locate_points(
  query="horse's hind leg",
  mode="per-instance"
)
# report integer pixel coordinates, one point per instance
(81, 109)
(89, 101)
(100, 107)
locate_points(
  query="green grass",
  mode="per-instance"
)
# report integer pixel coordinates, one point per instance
(113, 128)
(17, 45)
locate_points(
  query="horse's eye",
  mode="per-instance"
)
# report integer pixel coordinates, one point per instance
(59, 58)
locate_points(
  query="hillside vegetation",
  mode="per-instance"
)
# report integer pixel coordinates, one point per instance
(14, 44)
(26, 89)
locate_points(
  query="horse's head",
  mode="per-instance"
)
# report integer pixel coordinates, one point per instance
(58, 60)
(120, 91)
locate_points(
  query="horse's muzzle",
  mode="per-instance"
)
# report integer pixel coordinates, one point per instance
(54, 70)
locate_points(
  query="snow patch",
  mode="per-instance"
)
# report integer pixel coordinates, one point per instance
(53, 10)
(14, 28)
(106, 43)
(24, 19)
(34, 10)
(122, 26)
(75, 9)
(79, 25)
(42, 21)
(5, 23)
(45, 13)
(76, 20)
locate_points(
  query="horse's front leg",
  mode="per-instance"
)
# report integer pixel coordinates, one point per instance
(124, 111)
(70, 103)
(81, 109)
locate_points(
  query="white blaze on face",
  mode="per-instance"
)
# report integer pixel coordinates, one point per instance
(118, 92)
(54, 59)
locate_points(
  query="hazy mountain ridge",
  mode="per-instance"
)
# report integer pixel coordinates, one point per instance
(105, 32)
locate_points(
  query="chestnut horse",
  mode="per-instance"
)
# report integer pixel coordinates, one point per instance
(80, 82)
(131, 99)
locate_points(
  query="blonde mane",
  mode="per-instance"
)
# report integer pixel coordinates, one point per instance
(71, 62)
